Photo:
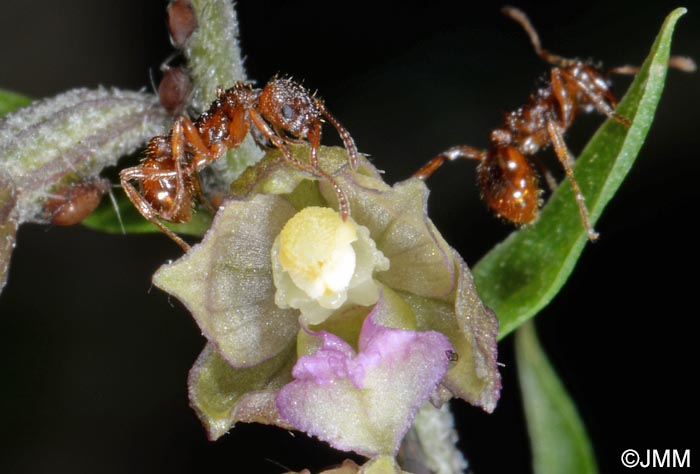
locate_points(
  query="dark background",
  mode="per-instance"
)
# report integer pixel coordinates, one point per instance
(94, 361)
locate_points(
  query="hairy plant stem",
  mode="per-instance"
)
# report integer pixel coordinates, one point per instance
(214, 61)
(430, 447)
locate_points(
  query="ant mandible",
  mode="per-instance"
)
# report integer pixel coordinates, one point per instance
(506, 177)
(282, 112)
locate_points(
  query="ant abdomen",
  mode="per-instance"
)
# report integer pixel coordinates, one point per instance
(509, 185)
(161, 194)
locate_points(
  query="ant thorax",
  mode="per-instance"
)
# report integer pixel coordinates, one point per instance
(527, 125)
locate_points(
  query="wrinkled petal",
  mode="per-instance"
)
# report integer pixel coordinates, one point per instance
(377, 465)
(396, 216)
(472, 329)
(223, 395)
(332, 361)
(226, 282)
(364, 402)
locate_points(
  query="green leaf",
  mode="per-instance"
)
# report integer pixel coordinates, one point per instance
(523, 273)
(10, 101)
(557, 435)
(106, 219)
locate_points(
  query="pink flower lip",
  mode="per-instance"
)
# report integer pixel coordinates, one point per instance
(364, 401)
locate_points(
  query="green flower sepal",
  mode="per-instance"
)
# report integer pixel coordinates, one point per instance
(227, 283)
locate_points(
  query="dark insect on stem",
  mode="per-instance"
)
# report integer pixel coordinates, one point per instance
(282, 112)
(182, 21)
(71, 204)
(174, 89)
(507, 178)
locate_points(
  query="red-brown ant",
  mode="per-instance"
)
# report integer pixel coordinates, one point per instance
(282, 112)
(506, 177)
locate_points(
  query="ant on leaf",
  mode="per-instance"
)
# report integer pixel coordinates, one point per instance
(508, 181)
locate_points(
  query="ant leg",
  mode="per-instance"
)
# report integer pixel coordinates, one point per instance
(627, 69)
(597, 99)
(204, 200)
(177, 145)
(314, 137)
(567, 162)
(142, 205)
(348, 142)
(286, 136)
(278, 142)
(454, 153)
(566, 111)
(521, 18)
(265, 129)
(546, 174)
(203, 155)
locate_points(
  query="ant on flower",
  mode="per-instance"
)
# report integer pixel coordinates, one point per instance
(282, 112)
(508, 182)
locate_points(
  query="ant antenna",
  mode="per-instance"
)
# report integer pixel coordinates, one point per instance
(682, 63)
(348, 142)
(521, 18)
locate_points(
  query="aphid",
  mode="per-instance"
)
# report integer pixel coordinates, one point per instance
(72, 204)
(508, 181)
(181, 21)
(174, 89)
(282, 112)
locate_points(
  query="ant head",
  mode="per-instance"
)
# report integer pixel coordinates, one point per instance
(509, 185)
(288, 106)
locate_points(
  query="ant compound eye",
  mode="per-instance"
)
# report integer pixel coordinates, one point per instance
(287, 112)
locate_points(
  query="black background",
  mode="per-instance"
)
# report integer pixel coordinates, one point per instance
(94, 361)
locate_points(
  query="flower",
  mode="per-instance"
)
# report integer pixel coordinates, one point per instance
(320, 263)
(288, 297)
